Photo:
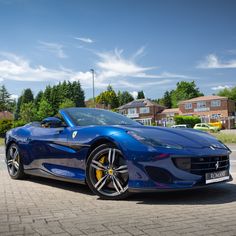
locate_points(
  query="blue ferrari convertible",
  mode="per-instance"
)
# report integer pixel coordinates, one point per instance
(115, 155)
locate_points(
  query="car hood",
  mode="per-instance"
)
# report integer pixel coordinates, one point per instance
(183, 137)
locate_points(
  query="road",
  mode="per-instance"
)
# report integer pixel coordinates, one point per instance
(38, 206)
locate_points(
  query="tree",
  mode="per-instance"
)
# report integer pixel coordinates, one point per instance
(77, 95)
(27, 112)
(124, 97)
(66, 104)
(229, 93)
(5, 100)
(27, 96)
(140, 95)
(108, 98)
(38, 98)
(166, 100)
(184, 91)
(18, 106)
(45, 109)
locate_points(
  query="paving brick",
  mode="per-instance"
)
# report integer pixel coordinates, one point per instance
(38, 206)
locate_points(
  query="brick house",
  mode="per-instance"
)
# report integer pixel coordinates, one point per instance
(166, 117)
(142, 110)
(210, 108)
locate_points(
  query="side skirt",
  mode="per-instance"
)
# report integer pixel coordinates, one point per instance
(45, 174)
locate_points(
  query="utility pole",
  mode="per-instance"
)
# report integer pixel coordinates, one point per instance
(92, 71)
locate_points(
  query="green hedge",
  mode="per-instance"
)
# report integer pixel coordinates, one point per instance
(5, 125)
(190, 120)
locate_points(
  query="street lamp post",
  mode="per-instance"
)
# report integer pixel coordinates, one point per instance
(92, 71)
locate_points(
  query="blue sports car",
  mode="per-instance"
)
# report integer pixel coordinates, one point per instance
(115, 155)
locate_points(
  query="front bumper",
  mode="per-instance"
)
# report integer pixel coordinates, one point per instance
(156, 171)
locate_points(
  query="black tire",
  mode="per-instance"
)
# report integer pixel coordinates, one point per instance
(14, 162)
(107, 173)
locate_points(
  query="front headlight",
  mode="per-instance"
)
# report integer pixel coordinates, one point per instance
(152, 142)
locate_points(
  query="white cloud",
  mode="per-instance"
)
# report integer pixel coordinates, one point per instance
(111, 68)
(14, 96)
(212, 62)
(134, 94)
(220, 87)
(113, 64)
(13, 67)
(54, 48)
(84, 40)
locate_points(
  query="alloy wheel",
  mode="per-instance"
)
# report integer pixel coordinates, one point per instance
(108, 172)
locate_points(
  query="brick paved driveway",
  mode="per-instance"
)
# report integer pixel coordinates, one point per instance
(39, 206)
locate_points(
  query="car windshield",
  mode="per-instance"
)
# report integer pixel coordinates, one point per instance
(92, 116)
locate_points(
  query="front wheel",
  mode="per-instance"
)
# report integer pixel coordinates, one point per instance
(14, 162)
(107, 173)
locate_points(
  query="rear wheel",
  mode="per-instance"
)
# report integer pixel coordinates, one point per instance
(107, 173)
(14, 162)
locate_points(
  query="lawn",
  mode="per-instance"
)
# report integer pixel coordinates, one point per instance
(1, 141)
(225, 138)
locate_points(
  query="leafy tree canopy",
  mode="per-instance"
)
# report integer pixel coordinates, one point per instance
(108, 98)
(66, 104)
(124, 97)
(140, 95)
(229, 93)
(6, 103)
(184, 91)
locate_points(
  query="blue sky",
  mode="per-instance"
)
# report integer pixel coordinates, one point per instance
(132, 45)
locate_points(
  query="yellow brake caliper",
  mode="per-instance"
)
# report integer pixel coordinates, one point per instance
(99, 173)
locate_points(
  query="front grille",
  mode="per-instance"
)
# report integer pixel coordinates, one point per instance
(202, 165)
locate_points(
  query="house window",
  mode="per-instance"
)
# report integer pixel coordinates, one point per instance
(188, 106)
(132, 111)
(144, 110)
(215, 103)
(201, 104)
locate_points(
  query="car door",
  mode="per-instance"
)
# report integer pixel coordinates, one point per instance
(52, 152)
(45, 145)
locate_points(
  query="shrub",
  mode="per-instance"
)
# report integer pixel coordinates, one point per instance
(18, 123)
(5, 125)
(190, 120)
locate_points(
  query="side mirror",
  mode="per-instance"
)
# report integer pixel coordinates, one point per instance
(52, 122)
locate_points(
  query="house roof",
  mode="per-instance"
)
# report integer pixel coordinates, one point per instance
(6, 115)
(204, 98)
(170, 110)
(139, 103)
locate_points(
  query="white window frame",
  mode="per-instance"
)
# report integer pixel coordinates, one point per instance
(215, 103)
(132, 110)
(188, 106)
(144, 110)
(201, 104)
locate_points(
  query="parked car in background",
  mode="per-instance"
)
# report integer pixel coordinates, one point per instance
(206, 127)
(216, 124)
(181, 126)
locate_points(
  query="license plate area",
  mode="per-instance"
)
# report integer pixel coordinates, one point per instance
(217, 176)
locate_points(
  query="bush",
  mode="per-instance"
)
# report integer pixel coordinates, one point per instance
(190, 120)
(5, 125)
(18, 123)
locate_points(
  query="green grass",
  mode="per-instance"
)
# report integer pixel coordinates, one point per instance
(1, 141)
(225, 138)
